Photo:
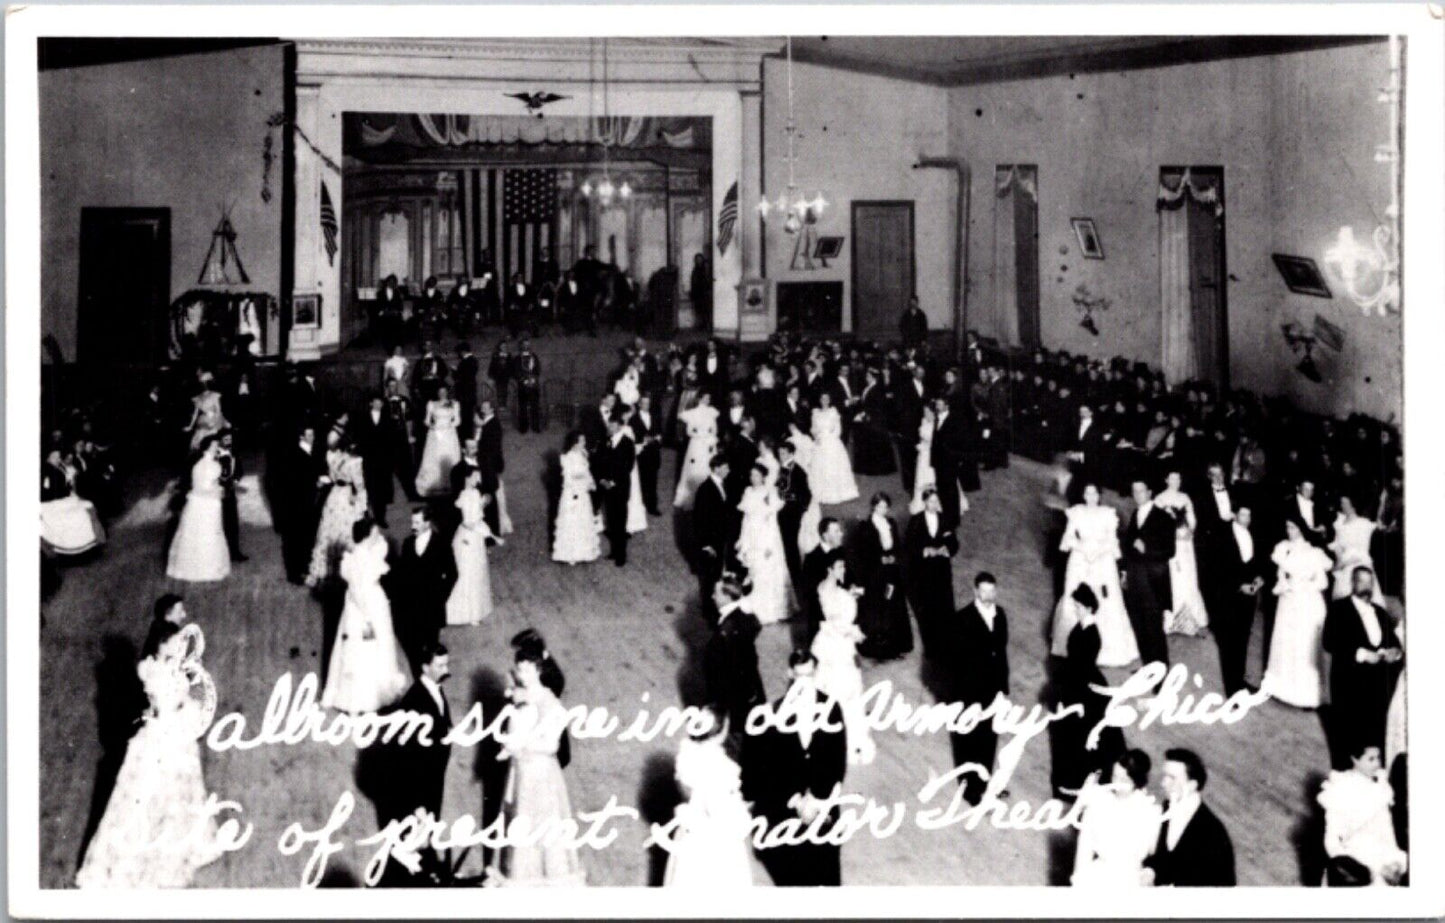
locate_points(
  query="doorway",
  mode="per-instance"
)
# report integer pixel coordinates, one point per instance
(1192, 273)
(883, 266)
(125, 285)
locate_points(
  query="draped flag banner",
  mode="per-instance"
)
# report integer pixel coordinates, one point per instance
(529, 215)
(329, 227)
(727, 217)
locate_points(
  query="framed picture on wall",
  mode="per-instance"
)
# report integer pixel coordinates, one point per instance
(1302, 275)
(306, 310)
(1089, 243)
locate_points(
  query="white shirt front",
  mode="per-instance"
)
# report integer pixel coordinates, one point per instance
(988, 610)
(1245, 541)
(1084, 425)
(1143, 513)
(1222, 503)
(1370, 619)
(1180, 814)
(422, 540)
(735, 414)
(931, 519)
(1306, 510)
(436, 692)
(885, 534)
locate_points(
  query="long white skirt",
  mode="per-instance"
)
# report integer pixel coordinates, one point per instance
(1294, 674)
(438, 458)
(636, 511)
(1188, 615)
(576, 541)
(832, 472)
(199, 552)
(368, 670)
(70, 526)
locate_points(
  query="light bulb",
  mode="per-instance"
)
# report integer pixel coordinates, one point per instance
(625, 190)
(763, 206)
(587, 188)
(793, 223)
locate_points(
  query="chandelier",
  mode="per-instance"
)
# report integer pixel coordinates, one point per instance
(795, 207)
(1370, 273)
(602, 188)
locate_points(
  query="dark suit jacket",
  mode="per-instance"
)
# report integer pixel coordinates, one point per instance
(642, 432)
(1359, 691)
(783, 767)
(419, 772)
(422, 584)
(489, 446)
(1158, 534)
(975, 658)
(300, 472)
(916, 539)
(517, 302)
(951, 440)
(614, 464)
(730, 667)
(1203, 857)
(907, 409)
(797, 495)
(712, 519)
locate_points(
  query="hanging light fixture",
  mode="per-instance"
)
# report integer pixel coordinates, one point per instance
(796, 208)
(602, 188)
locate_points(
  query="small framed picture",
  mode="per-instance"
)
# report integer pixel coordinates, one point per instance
(1302, 275)
(1089, 243)
(306, 310)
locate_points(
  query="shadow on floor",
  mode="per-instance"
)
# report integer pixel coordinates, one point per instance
(658, 796)
(120, 702)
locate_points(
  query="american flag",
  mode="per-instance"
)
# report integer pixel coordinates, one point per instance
(529, 213)
(328, 223)
(727, 218)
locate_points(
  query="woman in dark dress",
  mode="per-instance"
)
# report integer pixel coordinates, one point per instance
(1072, 759)
(883, 610)
(872, 447)
(931, 546)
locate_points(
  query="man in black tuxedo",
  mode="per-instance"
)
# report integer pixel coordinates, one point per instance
(974, 657)
(713, 532)
(230, 512)
(796, 411)
(1236, 575)
(814, 568)
(913, 325)
(416, 769)
(518, 303)
(492, 461)
(303, 474)
(930, 547)
(712, 372)
(730, 416)
(742, 452)
(403, 445)
(421, 582)
(1365, 655)
(464, 383)
(1086, 446)
(950, 455)
(430, 374)
(797, 496)
(572, 304)
(470, 461)
(529, 389)
(767, 404)
(593, 421)
(910, 396)
(1148, 545)
(647, 437)
(1194, 849)
(376, 442)
(730, 659)
(787, 772)
(612, 470)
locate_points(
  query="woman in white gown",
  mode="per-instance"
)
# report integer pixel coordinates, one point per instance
(368, 670)
(199, 552)
(700, 423)
(760, 547)
(636, 508)
(574, 539)
(832, 473)
(1293, 675)
(1091, 539)
(206, 416)
(346, 504)
(396, 369)
(924, 476)
(1188, 616)
(1351, 549)
(69, 524)
(804, 450)
(836, 648)
(627, 387)
(442, 450)
(710, 846)
(155, 832)
(471, 598)
(1119, 828)
(1358, 821)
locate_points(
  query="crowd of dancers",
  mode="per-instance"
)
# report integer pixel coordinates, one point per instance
(1239, 507)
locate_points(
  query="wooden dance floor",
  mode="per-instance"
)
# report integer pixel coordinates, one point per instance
(619, 634)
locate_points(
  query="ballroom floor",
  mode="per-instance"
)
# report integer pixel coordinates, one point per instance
(620, 634)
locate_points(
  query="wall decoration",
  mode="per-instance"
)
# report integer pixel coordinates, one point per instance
(1088, 303)
(1302, 275)
(828, 249)
(1088, 235)
(306, 311)
(1302, 343)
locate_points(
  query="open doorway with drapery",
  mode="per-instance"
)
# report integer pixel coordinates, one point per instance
(1016, 254)
(1194, 316)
